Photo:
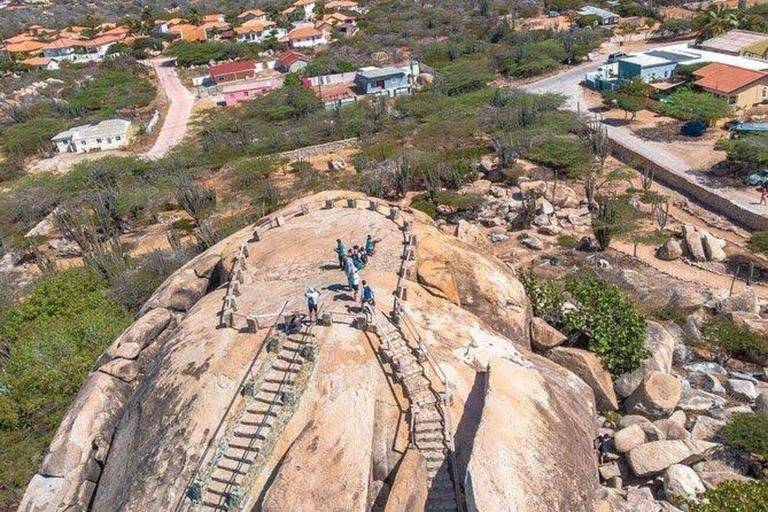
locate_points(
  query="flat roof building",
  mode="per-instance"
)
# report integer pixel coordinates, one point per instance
(109, 134)
(735, 42)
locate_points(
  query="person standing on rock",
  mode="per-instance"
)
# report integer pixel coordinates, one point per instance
(349, 264)
(368, 302)
(341, 252)
(370, 245)
(354, 283)
(312, 296)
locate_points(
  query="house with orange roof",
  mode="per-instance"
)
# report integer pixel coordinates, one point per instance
(24, 48)
(80, 50)
(41, 63)
(306, 37)
(744, 88)
(21, 38)
(343, 5)
(213, 18)
(342, 23)
(256, 31)
(252, 15)
(306, 7)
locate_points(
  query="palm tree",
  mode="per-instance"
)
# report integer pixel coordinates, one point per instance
(714, 21)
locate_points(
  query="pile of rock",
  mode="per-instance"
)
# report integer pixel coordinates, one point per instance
(697, 244)
(664, 447)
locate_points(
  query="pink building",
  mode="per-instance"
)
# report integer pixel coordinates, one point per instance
(246, 90)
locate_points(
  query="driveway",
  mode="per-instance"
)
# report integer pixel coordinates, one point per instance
(568, 84)
(179, 110)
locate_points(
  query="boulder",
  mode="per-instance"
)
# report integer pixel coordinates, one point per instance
(610, 470)
(550, 230)
(706, 367)
(40, 489)
(533, 242)
(409, 489)
(752, 321)
(124, 369)
(651, 431)
(706, 428)
(694, 246)
(705, 381)
(544, 336)
(712, 248)
(699, 401)
(179, 292)
(544, 207)
(744, 300)
(470, 233)
(761, 402)
(661, 347)
(627, 438)
(138, 336)
(652, 458)
(670, 251)
(497, 237)
(681, 483)
(589, 368)
(536, 188)
(478, 188)
(562, 195)
(742, 389)
(674, 426)
(657, 395)
(438, 280)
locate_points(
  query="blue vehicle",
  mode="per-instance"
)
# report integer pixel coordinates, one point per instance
(758, 178)
(694, 128)
(740, 128)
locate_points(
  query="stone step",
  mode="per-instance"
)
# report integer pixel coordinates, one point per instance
(430, 445)
(233, 466)
(279, 380)
(213, 505)
(247, 455)
(225, 477)
(428, 415)
(252, 429)
(259, 409)
(249, 435)
(433, 436)
(268, 400)
(428, 427)
(433, 454)
(284, 368)
(290, 359)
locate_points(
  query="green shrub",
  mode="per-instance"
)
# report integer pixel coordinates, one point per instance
(748, 432)
(422, 203)
(546, 300)
(730, 340)
(758, 242)
(567, 241)
(733, 496)
(613, 327)
(27, 139)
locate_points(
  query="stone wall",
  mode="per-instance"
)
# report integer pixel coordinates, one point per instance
(707, 198)
(319, 149)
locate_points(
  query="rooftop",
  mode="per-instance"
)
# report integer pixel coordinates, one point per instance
(289, 57)
(597, 11)
(233, 67)
(92, 131)
(646, 60)
(304, 32)
(733, 41)
(726, 79)
(251, 12)
(252, 83)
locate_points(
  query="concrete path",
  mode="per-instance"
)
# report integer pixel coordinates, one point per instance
(179, 110)
(568, 84)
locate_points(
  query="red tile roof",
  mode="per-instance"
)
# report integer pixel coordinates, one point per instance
(232, 67)
(725, 79)
(304, 33)
(289, 57)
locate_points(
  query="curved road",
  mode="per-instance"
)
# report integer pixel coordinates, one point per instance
(568, 84)
(179, 110)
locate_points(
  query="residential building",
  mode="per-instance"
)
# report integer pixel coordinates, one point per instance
(233, 71)
(246, 90)
(390, 81)
(342, 5)
(189, 33)
(306, 37)
(213, 18)
(257, 31)
(110, 134)
(23, 49)
(78, 50)
(342, 23)
(738, 42)
(290, 61)
(252, 15)
(649, 68)
(41, 63)
(336, 95)
(606, 17)
(306, 7)
(744, 88)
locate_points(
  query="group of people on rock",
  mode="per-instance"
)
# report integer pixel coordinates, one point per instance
(352, 261)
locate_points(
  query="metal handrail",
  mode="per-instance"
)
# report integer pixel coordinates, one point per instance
(248, 373)
(409, 324)
(273, 404)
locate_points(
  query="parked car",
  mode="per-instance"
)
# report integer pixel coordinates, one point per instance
(758, 178)
(616, 56)
(694, 128)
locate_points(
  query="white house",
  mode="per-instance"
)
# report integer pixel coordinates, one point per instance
(78, 50)
(257, 31)
(306, 37)
(110, 134)
(308, 8)
(606, 17)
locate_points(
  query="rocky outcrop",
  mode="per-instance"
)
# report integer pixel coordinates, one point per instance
(409, 490)
(694, 245)
(681, 483)
(437, 278)
(627, 438)
(590, 369)
(670, 251)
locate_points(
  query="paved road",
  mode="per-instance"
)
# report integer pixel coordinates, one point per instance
(179, 111)
(568, 84)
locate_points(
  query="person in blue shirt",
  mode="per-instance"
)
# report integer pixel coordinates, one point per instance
(368, 301)
(370, 245)
(341, 251)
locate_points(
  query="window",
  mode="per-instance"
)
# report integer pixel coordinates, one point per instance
(98, 141)
(82, 142)
(117, 137)
(109, 140)
(379, 84)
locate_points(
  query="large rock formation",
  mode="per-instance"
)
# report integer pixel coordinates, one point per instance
(145, 426)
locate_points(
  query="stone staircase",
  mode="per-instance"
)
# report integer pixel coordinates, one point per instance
(256, 423)
(429, 427)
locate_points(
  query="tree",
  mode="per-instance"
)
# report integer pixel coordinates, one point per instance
(715, 20)
(674, 27)
(686, 105)
(751, 150)
(733, 496)
(629, 104)
(194, 16)
(613, 217)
